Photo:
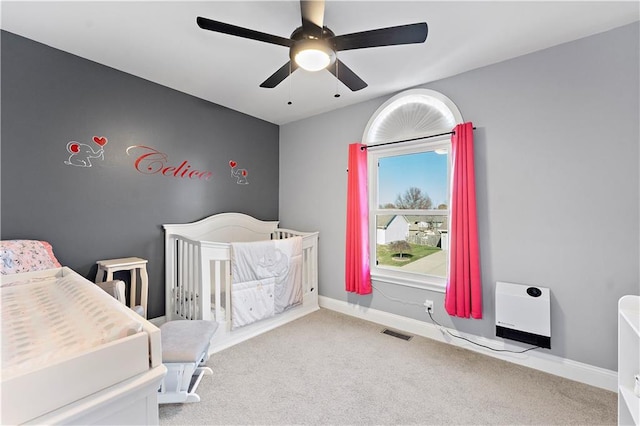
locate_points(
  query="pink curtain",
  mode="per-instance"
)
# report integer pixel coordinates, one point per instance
(357, 274)
(463, 296)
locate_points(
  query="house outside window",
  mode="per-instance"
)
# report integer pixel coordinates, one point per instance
(409, 188)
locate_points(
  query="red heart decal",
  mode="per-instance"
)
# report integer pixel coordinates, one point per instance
(74, 147)
(100, 140)
(233, 164)
(244, 173)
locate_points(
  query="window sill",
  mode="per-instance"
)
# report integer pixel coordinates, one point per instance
(428, 283)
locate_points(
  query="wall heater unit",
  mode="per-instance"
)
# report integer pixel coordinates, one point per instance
(523, 313)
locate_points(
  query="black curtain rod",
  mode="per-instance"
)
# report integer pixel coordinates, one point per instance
(411, 140)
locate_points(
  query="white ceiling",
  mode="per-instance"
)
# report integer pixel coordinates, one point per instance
(160, 42)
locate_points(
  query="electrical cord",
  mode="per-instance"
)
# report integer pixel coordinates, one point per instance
(476, 343)
(444, 329)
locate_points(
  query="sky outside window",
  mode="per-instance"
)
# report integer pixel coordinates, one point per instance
(425, 170)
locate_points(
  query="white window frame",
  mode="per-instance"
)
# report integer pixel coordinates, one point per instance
(417, 280)
(408, 115)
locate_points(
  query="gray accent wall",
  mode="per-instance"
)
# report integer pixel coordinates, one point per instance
(557, 160)
(110, 210)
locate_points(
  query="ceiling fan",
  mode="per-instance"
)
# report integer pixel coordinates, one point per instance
(313, 46)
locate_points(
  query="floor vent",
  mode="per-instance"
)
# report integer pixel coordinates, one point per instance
(396, 334)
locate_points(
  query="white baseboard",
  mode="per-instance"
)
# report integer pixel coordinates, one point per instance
(569, 369)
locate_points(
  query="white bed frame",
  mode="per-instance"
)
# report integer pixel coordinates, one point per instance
(115, 383)
(198, 264)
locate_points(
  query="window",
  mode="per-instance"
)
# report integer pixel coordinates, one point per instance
(409, 208)
(409, 189)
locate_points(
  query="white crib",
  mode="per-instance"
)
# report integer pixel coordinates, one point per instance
(198, 273)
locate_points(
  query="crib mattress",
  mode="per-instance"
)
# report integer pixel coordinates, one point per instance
(63, 339)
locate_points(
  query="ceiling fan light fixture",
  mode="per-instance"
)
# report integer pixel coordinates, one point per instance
(313, 55)
(313, 46)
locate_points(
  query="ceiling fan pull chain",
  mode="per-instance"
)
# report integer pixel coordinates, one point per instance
(290, 84)
(337, 95)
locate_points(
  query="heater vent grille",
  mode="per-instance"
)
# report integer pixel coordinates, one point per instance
(396, 334)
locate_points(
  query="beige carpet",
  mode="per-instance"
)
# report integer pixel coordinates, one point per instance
(332, 369)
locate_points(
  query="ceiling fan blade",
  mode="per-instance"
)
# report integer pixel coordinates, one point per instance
(221, 27)
(312, 17)
(346, 76)
(278, 76)
(402, 34)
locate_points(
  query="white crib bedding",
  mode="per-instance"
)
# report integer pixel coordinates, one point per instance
(266, 279)
(49, 320)
(252, 301)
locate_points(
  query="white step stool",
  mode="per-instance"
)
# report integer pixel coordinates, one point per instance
(185, 349)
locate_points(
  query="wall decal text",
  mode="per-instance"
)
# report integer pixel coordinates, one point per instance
(151, 161)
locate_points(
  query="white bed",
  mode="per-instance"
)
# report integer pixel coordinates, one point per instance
(72, 354)
(199, 264)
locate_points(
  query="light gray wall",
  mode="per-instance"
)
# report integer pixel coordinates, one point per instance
(110, 210)
(557, 159)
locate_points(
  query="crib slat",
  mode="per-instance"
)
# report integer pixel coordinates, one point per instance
(184, 259)
(227, 293)
(185, 280)
(180, 286)
(216, 285)
(203, 285)
(197, 279)
(193, 293)
(189, 282)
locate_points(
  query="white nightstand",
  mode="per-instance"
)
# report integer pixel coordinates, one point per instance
(135, 266)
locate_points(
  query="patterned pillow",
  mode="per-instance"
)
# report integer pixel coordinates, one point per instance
(17, 256)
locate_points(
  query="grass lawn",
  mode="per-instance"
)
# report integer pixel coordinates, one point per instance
(386, 257)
